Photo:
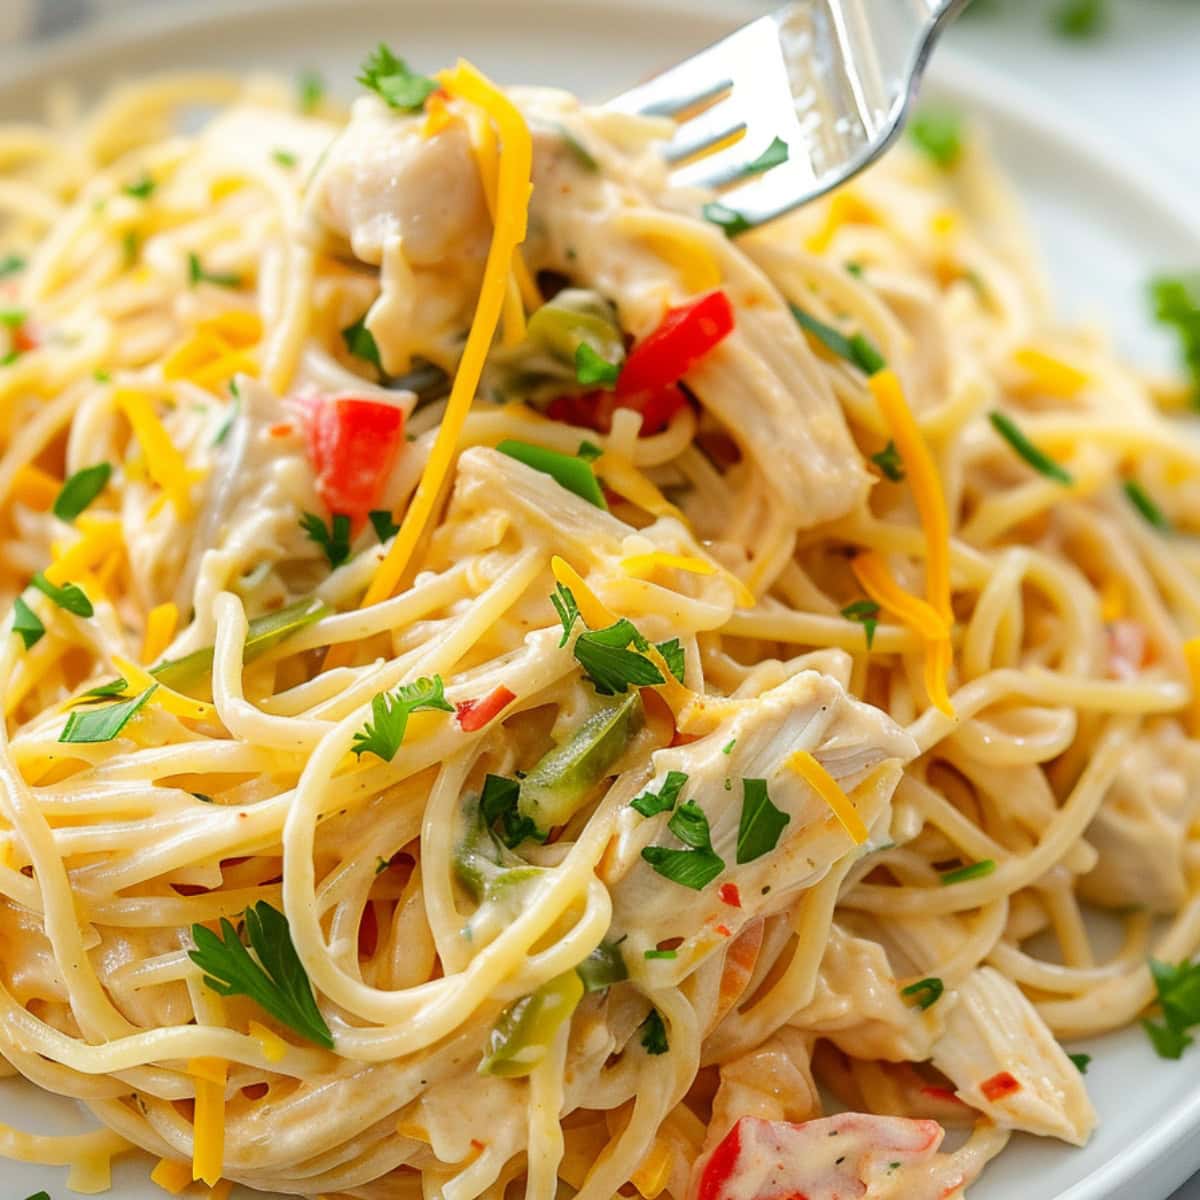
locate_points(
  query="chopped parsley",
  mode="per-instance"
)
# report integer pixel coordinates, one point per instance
(11, 264)
(1178, 988)
(588, 451)
(310, 91)
(775, 155)
(389, 78)
(69, 596)
(285, 158)
(381, 865)
(27, 625)
(650, 804)
(107, 691)
(104, 723)
(729, 745)
(698, 865)
(761, 823)
(360, 342)
(1007, 428)
(1081, 1062)
(391, 710)
(610, 664)
(888, 460)
(857, 349)
(938, 132)
(198, 274)
(564, 603)
(665, 954)
(729, 219)
(673, 656)
(274, 978)
(80, 490)
(925, 992)
(231, 416)
(1176, 302)
(334, 539)
(591, 370)
(142, 189)
(383, 524)
(654, 1034)
(1140, 500)
(977, 870)
(1080, 19)
(498, 804)
(866, 612)
(579, 152)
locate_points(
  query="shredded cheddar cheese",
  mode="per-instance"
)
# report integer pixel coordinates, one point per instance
(642, 566)
(1049, 374)
(35, 488)
(164, 697)
(273, 1047)
(824, 784)
(99, 537)
(163, 461)
(846, 208)
(171, 1176)
(160, 629)
(592, 609)
(1191, 654)
(208, 1154)
(871, 571)
(512, 214)
(654, 1172)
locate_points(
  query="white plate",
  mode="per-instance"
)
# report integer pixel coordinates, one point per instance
(1106, 224)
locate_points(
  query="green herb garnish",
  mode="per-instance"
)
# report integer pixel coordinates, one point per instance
(334, 539)
(612, 667)
(857, 348)
(1081, 1062)
(1040, 462)
(1140, 500)
(579, 152)
(591, 370)
(650, 804)
(729, 219)
(285, 158)
(142, 189)
(104, 723)
(674, 657)
(939, 133)
(69, 596)
(274, 978)
(498, 804)
(391, 710)
(310, 91)
(867, 613)
(360, 342)
(654, 1034)
(382, 523)
(588, 451)
(564, 603)
(1080, 19)
(666, 954)
(569, 471)
(698, 865)
(776, 154)
(925, 992)
(1178, 988)
(390, 78)
(1176, 302)
(976, 870)
(80, 490)
(602, 968)
(761, 823)
(198, 274)
(11, 264)
(888, 460)
(27, 625)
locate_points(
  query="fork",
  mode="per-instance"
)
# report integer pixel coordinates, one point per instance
(832, 81)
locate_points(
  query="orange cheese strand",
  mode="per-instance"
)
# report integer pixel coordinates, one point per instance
(939, 655)
(208, 1149)
(164, 462)
(596, 614)
(1191, 654)
(171, 1176)
(824, 784)
(877, 581)
(926, 487)
(1049, 374)
(160, 629)
(35, 488)
(512, 215)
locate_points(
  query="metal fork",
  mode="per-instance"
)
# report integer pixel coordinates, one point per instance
(833, 80)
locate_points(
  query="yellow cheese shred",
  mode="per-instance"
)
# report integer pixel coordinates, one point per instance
(98, 537)
(654, 1171)
(273, 1047)
(641, 566)
(35, 488)
(1191, 654)
(592, 609)
(170, 701)
(160, 629)
(171, 1176)
(512, 215)
(208, 1151)
(1050, 375)
(846, 208)
(163, 460)
(824, 784)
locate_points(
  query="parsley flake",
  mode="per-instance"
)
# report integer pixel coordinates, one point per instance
(274, 978)
(1176, 303)
(775, 155)
(11, 264)
(698, 865)
(650, 804)
(310, 91)
(1140, 499)
(80, 490)
(498, 803)
(729, 219)
(285, 158)
(1007, 428)
(976, 870)
(334, 539)
(588, 451)
(665, 954)
(382, 523)
(27, 625)
(857, 349)
(925, 992)
(390, 78)
(390, 711)
(564, 603)
(591, 370)
(104, 723)
(888, 460)
(142, 189)
(69, 596)
(360, 342)
(608, 662)
(867, 613)
(1178, 988)
(761, 823)
(1081, 1062)
(939, 134)
(198, 274)
(1080, 19)
(654, 1034)
(673, 656)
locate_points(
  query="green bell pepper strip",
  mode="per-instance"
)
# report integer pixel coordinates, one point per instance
(523, 1033)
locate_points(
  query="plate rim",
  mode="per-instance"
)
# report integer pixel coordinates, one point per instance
(1126, 168)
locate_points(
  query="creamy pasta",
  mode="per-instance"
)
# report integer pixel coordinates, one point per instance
(510, 687)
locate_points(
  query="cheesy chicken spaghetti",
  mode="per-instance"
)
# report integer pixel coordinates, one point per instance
(515, 681)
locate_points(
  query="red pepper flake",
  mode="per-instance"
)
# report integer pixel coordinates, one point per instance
(999, 1086)
(473, 715)
(724, 931)
(282, 430)
(730, 895)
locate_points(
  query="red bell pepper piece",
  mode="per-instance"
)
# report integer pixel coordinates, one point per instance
(473, 715)
(685, 336)
(352, 445)
(730, 895)
(999, 1085)
(829, 1159)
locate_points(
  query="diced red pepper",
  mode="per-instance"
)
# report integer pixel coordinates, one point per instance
(1000, 1085)
(352, 444)
(730, 895)
(473, 715)
(685, 336)
(724, 930)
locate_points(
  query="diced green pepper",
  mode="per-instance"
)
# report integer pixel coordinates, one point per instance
(263, 633)
(575, 474)
(602, 968)
(484, 865)
(521, 1037)
(576, 317)
(561, 780)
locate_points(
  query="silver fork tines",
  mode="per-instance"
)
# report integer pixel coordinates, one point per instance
(832, 79)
